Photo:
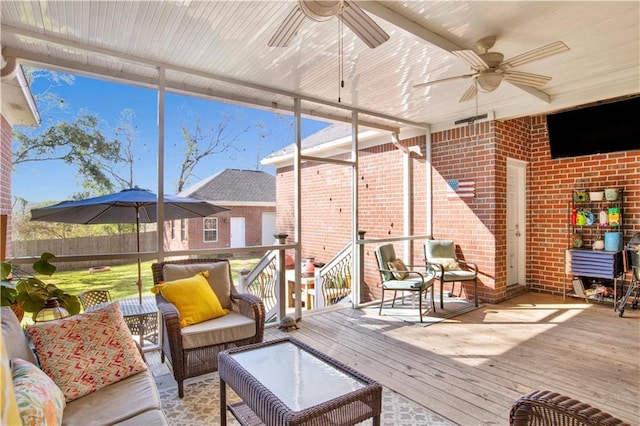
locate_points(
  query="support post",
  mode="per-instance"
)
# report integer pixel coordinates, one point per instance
(361, 250)
(281, 288)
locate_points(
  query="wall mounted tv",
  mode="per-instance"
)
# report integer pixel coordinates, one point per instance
(609, 127)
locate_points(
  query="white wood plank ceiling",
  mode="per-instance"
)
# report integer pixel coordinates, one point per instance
(219, 49)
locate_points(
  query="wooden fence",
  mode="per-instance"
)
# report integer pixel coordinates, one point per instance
(123, 243)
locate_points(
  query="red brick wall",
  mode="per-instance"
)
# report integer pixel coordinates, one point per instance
(478, 225)
(470, 153)
(326, 205)
(326, 214)
(6, 169)
(552, 183)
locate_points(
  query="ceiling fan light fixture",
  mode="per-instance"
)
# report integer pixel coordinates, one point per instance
(321, 10)
(489, 80)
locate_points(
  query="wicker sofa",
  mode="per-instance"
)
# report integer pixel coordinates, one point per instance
(193, 350)
(546, 408)
(131, 401)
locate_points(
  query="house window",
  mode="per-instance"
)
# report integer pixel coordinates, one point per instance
(183, 229)
(173, 230)
(210, 229)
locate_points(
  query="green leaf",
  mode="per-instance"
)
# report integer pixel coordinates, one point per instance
(8, 293)
(43, 266)
(6, 270)
(70, 303)
(31, 295)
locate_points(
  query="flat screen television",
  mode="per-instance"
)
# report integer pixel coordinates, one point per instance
(609, 127)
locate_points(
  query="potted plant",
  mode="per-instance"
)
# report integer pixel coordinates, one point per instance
(31, 293)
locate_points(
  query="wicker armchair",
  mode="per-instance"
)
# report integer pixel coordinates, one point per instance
(94, 297)
(193, 350)
(545, 408)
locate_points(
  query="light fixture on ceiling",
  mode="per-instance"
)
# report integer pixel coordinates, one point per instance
(489, 80)
(319, 10)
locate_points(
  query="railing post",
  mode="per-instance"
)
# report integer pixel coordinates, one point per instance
(360, 275)
(318, 300)
(242, 279)
(281, 289)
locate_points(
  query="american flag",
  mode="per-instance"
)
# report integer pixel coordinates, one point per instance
(460, 188)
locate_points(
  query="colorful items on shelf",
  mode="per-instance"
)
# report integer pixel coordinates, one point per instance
(614, 216)
(604, 217)
(577, 240)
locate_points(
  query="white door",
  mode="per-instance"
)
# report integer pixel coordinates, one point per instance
(237, 238)
(516, 222)
(268, 228)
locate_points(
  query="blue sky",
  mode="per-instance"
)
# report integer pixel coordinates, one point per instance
(36, 182)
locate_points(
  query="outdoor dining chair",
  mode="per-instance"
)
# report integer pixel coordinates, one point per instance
(441, 255)
(395, 276)
(94, 297)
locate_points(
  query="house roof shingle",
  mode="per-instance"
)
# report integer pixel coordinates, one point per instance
(235, 187)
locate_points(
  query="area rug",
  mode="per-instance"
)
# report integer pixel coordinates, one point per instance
(406, 310)
(200, 405)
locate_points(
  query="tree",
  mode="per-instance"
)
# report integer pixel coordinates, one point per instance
(47, 100)
(205, 143)
(80, 142)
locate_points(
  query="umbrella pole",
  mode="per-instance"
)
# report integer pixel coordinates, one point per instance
(138, 247)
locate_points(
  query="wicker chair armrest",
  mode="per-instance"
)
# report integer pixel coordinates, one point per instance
(250, 306)
(546, 408)
(172, 328)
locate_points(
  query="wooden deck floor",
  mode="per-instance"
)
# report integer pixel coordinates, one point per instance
(470, 369)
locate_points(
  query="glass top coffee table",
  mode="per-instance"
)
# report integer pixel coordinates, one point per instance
(285, 382)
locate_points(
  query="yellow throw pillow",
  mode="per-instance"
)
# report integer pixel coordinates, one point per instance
(193, 298)
(399, 268)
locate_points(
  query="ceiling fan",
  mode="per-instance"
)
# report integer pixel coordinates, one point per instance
(490, 68)
(318, 10)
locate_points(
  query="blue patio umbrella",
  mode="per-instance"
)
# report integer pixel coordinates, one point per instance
(128, 206)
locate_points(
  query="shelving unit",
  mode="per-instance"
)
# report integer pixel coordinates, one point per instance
(589, 265)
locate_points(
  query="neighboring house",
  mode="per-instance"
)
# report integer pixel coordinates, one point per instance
(249, 195)
(18, 109)
(502, 160)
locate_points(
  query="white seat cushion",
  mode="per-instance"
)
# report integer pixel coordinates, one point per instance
(228, 328)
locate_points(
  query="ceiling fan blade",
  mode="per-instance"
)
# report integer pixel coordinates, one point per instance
(469, 94)
(472, 58)
(362, 25)
(429, 83)
(535, 54)
(534, 92)
(525, 78)
(288, 28)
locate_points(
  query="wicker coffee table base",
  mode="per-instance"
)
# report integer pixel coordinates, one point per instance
(261, 406)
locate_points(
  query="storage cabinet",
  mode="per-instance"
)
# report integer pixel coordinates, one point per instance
(595, 242)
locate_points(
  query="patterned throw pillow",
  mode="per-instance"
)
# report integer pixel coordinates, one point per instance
(399, 268)
(40, 401)
(86, 352)
(448, 263)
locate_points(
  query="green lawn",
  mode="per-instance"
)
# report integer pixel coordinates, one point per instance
(121, 280)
